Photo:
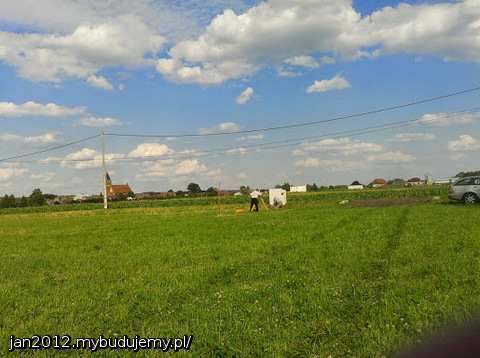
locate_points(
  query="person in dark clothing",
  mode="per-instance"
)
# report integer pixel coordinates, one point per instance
(254, 203)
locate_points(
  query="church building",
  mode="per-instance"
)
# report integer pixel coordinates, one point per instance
(114, 190)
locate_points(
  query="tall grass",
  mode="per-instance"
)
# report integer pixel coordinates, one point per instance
(317, 280)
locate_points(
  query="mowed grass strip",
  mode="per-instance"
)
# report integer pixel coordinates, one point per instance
(315, 280)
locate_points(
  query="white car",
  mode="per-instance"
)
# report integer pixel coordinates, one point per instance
(465, 189)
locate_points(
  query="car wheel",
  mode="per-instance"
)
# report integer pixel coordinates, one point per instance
(470, 198)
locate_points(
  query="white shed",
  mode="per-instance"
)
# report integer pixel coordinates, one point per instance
(278, 195)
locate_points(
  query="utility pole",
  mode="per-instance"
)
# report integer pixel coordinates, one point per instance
(105, 202)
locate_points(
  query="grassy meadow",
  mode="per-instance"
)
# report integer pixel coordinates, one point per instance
(313, 279)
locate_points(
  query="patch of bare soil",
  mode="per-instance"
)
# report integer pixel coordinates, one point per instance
(388, 201)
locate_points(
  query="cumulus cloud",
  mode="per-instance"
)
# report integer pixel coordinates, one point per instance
(305, 61)
(150, 149)
(124, 40)
(448, 119)
(341, 146)
(177, 170)
(235, 45)
(10, 172)
(251, 136)
(88, 158)
(77, 39)
(335, 165)
(336, 82)
(236, 151)
(99, 81)
(308, 162)
(223, 127)
(46, 138)
(464, 143)
(409, 137)
(98, 122)
(393, 157)
(30, 108)
(245, 96)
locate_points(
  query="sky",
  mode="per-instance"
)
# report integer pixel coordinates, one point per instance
(230, 93)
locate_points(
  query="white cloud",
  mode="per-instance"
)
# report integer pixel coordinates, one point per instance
(221, 128)
(409, 137)
(88, 158)
(46, 138)
(337, 165)
(305, 61)
(45, 177)
(176, 170)
(10, 172)
(245, 96)
(150, 149)
(235, 45)
(240, 175)
(336, 82)
(98, 122)
(393, 157)
(308, 162)
(123, 40)
(237, 151)
(30, 108)
(341, 146)
(251, 136)
(448, 119)
(464, 143)
(99, 81)
(77, 38)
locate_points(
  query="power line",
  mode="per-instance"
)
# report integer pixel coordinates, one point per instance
(49, 149)
(295, 141)
(361, 114)
(251, 130)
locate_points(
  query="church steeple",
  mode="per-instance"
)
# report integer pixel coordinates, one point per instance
(107, 179)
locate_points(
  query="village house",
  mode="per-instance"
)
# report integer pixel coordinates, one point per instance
(113, 190)
(379, 182)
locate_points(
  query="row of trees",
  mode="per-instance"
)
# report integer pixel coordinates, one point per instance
(37, 198)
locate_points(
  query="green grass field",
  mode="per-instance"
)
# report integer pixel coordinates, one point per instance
(313, 279)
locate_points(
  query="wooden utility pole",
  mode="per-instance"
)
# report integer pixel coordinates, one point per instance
(218, 191)
(105, 202)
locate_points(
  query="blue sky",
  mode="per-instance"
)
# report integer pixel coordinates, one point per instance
(162, 79)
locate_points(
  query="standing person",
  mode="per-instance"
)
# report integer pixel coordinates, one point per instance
(254, 194)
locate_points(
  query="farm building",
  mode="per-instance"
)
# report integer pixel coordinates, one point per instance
(116, 189)
(415, 181)
(298, 189)
(355, 185)
(378, 183)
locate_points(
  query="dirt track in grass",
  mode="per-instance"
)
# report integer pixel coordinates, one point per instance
(388, 201)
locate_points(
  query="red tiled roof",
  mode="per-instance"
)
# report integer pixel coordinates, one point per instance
(121, 188)
(379, 181)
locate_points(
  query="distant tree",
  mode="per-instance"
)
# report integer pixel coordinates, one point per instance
(36, 198)
(50, 196)
(285, 186)
(130, 194)
(211, 192)
(396, 182)
(179, 193)
(121, 197)
(23, 201)
(244, 189)
(467, 174)
(12, 201)
(312, 187)
(171, 191)
(5, 203)
(194, 188)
